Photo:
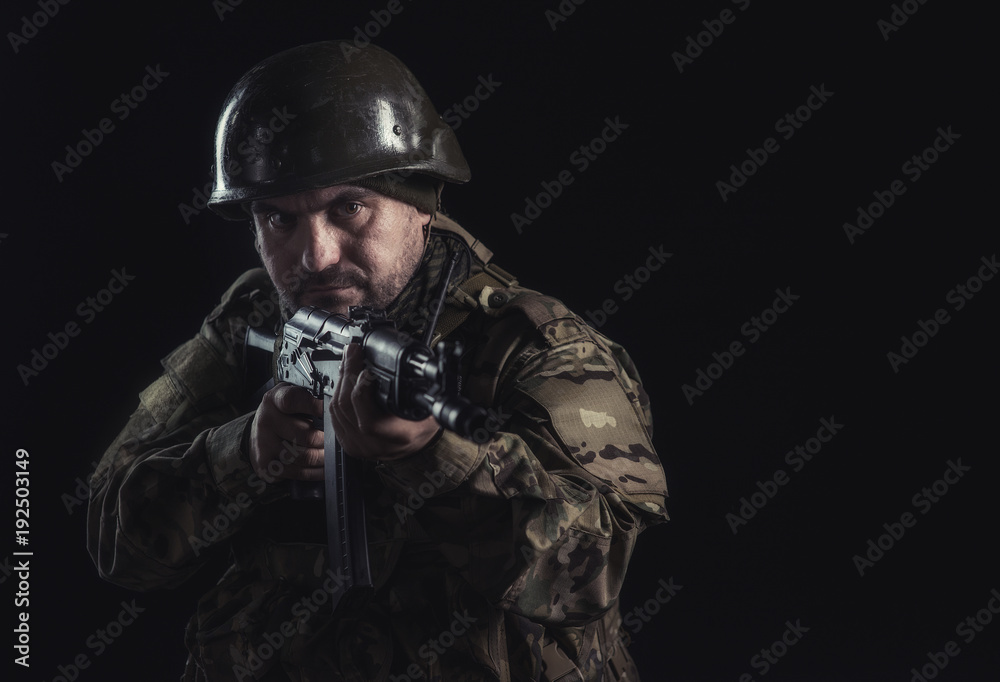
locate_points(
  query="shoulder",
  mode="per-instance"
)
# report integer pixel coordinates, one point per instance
(529, 337)
(211, 363)
(246, 295)
(554, 322)
(497, 296)
(514, 326)
(543, 360)
(251, 300)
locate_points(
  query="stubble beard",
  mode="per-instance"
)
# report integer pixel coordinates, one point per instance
(376, 292)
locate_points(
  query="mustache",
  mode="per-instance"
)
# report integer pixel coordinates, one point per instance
(331, 277)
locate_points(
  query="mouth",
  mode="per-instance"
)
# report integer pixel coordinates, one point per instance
(331, 298)
(327, 289)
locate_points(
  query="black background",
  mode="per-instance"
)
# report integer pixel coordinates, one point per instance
(655, 185)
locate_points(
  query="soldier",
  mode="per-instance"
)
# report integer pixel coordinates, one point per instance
(498, 560)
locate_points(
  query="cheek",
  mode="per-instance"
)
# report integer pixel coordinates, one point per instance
(409, 233)
(383, 247)
(277, 261)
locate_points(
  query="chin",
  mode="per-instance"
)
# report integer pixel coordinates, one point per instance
(293, 302)
(329, 302)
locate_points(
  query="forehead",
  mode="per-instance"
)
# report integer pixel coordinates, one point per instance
(313, 200)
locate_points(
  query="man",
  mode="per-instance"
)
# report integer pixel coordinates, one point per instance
(494, 560)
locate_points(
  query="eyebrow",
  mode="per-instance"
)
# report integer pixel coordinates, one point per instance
(351, 193)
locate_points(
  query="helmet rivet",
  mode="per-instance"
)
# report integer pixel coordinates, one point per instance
(397, 129)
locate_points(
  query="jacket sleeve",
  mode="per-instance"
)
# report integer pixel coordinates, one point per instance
(542, 517)
(176, 483)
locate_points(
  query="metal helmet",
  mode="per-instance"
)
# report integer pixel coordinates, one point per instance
(325, 114)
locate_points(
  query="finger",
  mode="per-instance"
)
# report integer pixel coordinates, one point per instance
(291, 460)
(295, 400)
(279, 428)
(302, 453)
(276, 470)
(341, 405)
(352, 366)
(310, 474)
(371, 418)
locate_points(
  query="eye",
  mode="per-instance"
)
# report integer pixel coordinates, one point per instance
(351, 208)
(346, 209)
(279, 221)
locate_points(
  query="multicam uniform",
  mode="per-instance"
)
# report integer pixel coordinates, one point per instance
(488, 559)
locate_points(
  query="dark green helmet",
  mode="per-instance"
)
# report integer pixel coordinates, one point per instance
(325, 114)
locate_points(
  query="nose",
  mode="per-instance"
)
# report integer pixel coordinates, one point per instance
(323, 245)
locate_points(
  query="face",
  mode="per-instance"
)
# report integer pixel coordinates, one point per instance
(338, 246)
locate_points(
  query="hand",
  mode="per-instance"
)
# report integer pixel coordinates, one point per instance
(283, 442)
(363, 427)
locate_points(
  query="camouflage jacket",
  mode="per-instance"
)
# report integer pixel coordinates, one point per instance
(484, 555)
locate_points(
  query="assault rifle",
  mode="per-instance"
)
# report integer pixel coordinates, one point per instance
(412, 382)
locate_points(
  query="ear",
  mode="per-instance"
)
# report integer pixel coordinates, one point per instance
(426, 219)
